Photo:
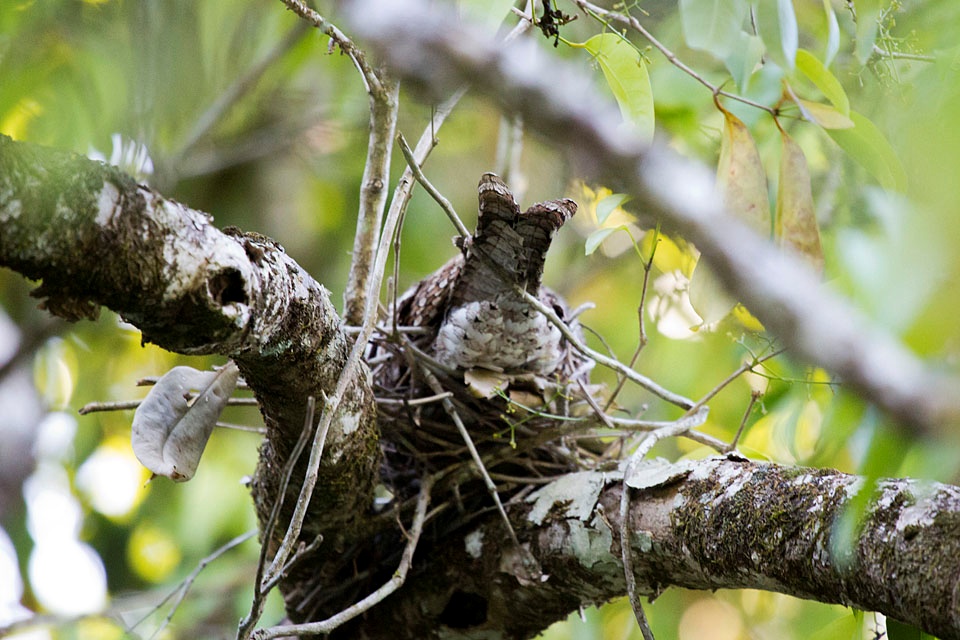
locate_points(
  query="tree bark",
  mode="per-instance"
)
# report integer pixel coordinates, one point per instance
(720, 523)
(96, 237)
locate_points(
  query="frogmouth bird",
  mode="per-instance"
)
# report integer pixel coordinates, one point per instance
(474, 304)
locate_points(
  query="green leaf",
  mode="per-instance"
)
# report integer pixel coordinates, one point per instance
(825, 81)
(825, 115)
(868, 146)
(745, 59)
(596, 238)
(713, 25)
(779, 31)
(626, 74)
(608, 205)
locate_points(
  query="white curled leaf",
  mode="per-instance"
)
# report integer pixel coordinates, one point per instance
(172, 425)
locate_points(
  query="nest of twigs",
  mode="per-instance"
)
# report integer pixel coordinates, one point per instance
(527, 430)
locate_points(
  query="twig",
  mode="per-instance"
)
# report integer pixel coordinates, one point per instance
(384, 100)
(606, 361)
(384, 107)
(259, 593)
(467, 440)
(602, 15)
(124, 405)
(754, 396)
(369, 74)
(395, 582)
(642, 337)
(743, 368)
(417, 401)
(434, 193)
(679, 427)
(184, 586)
(902, 55)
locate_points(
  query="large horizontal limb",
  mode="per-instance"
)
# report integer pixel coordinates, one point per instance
(96, 237)
(712, 524)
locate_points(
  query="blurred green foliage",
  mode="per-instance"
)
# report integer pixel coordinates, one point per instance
(247, 115)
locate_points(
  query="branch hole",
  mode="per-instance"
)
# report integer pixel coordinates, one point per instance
(226, 287)
(464, 610)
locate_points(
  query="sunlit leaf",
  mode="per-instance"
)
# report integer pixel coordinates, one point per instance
(825, 115)
(820, 76)
(626, 74)
(669, 256)
(713, 25)
(777, 26)
(740, 175)
(867, 145)
(595, 239)
(746, 319)
(796, 219)
(171, 426)
(608, 205)
(707, 295)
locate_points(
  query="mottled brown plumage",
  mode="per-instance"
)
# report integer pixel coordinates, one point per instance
(481, 320)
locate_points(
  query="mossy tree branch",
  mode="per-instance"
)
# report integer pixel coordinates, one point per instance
(96, 237)
(721, 523)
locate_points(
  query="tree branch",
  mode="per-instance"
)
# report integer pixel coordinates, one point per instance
(711, 524)
(95, 237)
(427, 46)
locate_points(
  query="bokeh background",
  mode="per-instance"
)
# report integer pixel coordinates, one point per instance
(235, 108)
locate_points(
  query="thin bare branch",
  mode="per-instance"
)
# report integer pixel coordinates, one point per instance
(181, 591)
(432, 190)
(373, 196)
(399, 577)
(606, 361)
(259, 592)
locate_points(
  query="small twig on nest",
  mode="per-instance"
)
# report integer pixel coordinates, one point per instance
(399, 577)
(416, 401)
(467, 440)
(616, 365)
